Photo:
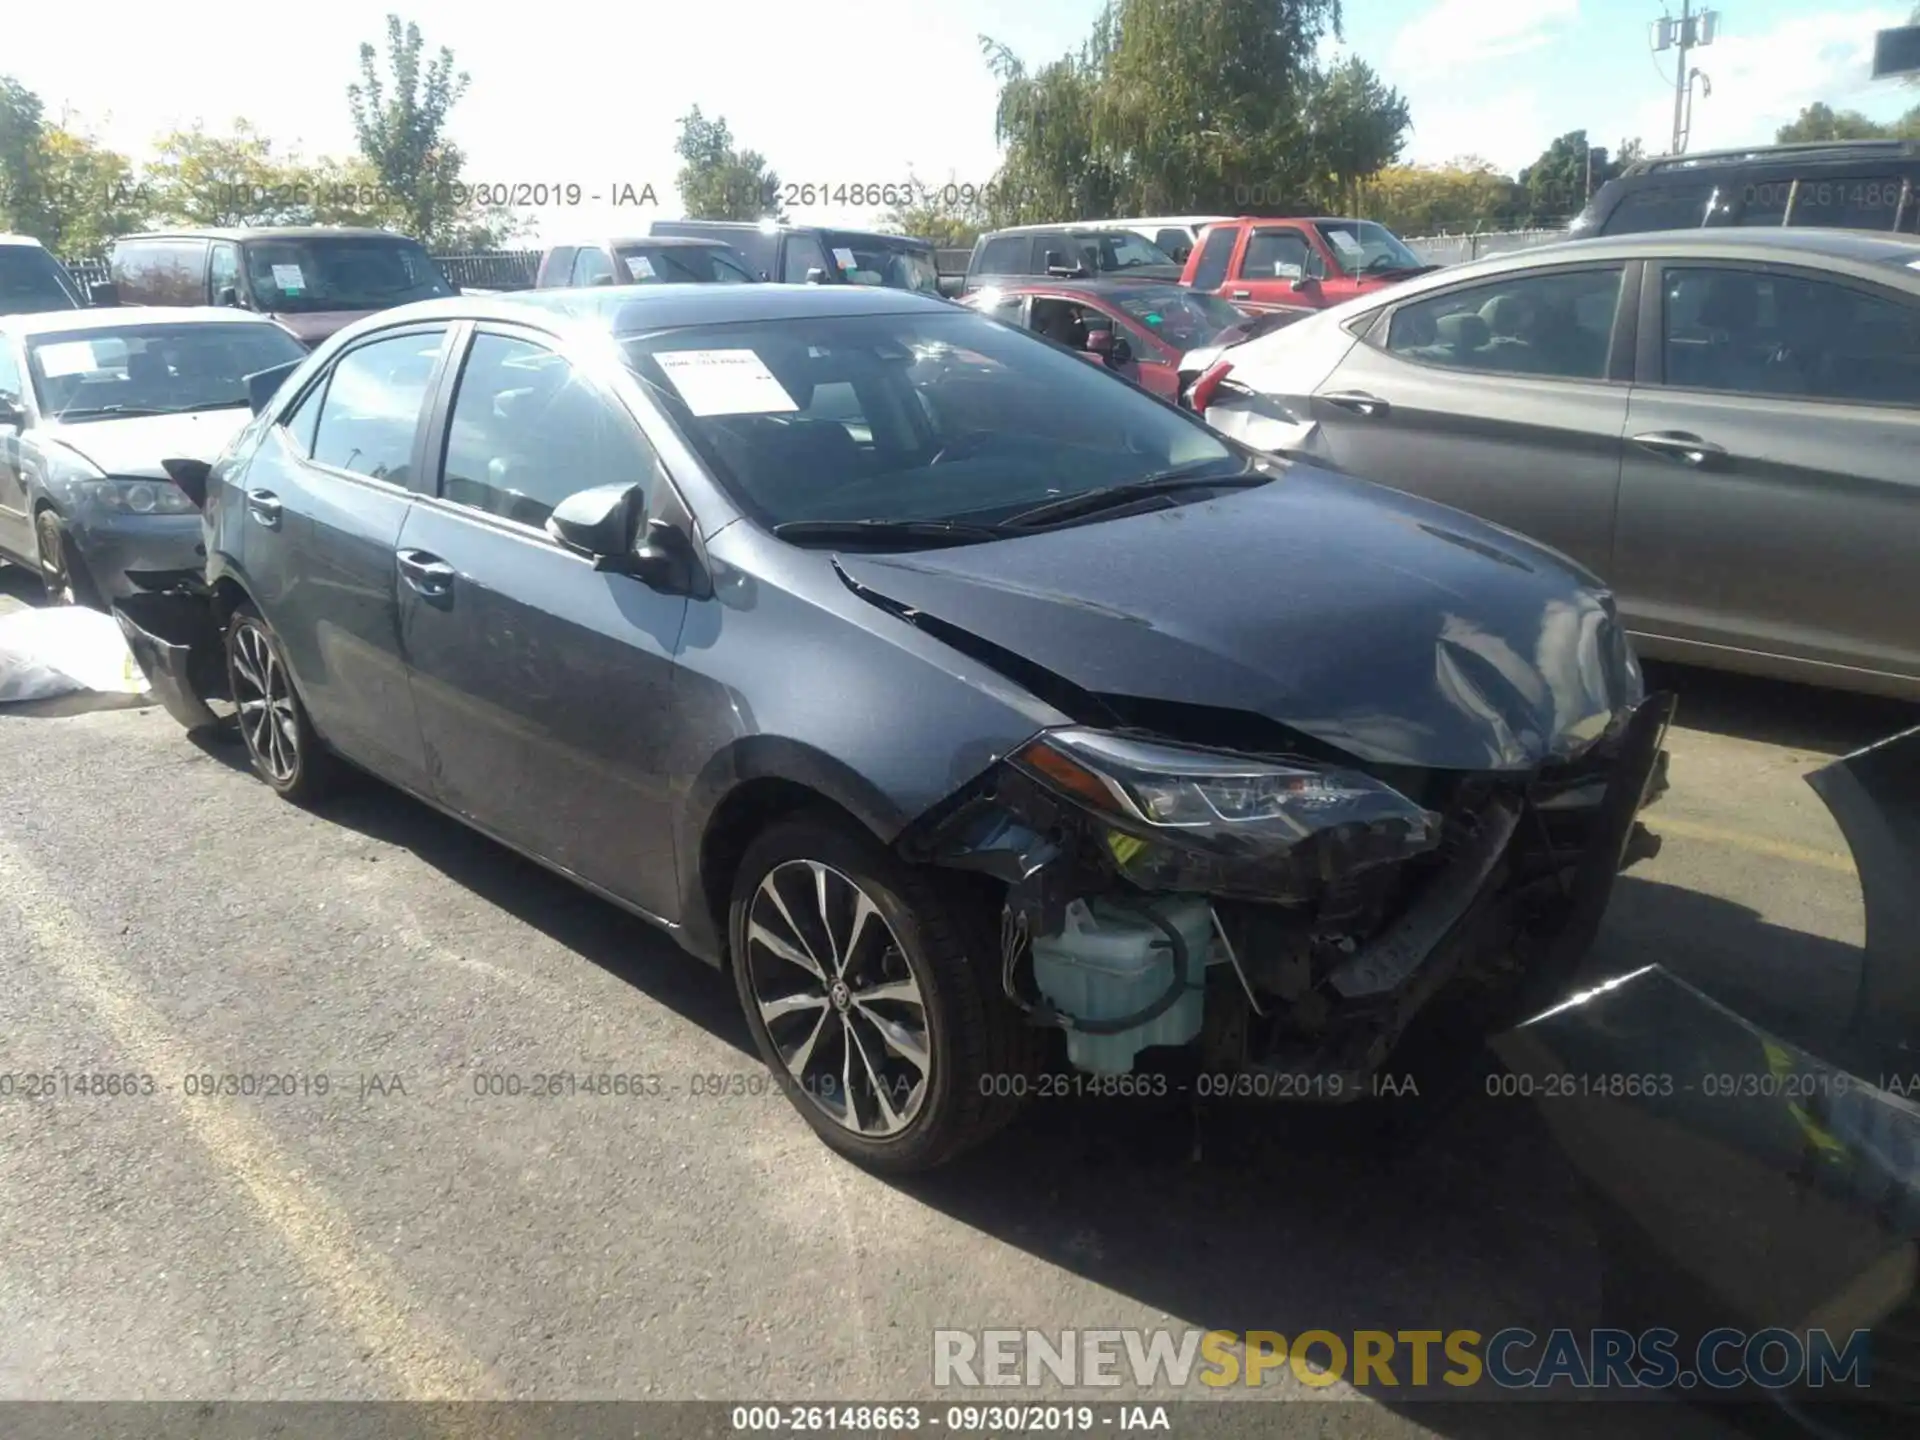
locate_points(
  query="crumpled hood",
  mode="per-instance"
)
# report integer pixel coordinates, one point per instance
(135, 446)
(310, 328)
(1399, 631)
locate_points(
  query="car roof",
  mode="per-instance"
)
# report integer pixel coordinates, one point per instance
(267, 232)
(126, 317)
(21, 240)
(1109, 286)
(755, 227)
(635, 309)
(1807, 152)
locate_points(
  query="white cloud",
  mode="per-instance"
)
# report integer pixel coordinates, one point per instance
(1455, 34)
(1505, 128)
(1762, 81)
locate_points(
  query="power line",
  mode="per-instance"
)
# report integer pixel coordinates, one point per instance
(1689, 32)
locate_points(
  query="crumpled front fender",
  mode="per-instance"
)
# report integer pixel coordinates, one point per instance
(1874, 795)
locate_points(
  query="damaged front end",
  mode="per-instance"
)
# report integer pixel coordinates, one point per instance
(1282, 917)
(174, 634)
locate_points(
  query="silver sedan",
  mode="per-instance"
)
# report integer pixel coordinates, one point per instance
(1724, 425)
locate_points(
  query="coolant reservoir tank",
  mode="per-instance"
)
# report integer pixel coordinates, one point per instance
(1110, 961)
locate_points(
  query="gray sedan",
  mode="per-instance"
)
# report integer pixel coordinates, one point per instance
(91, 401)
(1723, 424)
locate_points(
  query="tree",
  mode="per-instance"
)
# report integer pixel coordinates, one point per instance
(90, 191)
(400, 124)
(1356, 127)
(1567, 173)
(198, 178)
(1188, 105)
(952, 215)
(1467, 194)
(22, 192)
(1820, 121)
(718, 182)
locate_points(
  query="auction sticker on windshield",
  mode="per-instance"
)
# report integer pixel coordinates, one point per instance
(66, 357)
(724, 382)
(640, 267)
(1344, 242)
(288, 277)
(845, 258)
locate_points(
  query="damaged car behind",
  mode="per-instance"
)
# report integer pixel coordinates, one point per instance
(977, 711)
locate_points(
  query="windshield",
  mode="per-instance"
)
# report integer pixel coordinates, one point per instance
(876, 260)
(908, 417)
(1120, 250)
(78, 374)
(1182, 318)
(683, 265)
(301, 277)
(31, 280)
(1365, 247)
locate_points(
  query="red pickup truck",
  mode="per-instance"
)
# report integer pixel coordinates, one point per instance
(1297, 264)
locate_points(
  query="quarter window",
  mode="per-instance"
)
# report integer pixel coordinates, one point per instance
(1558, 325)
(1662, 207)
(528, 430)
(1851, 202)
(372, 407)
(1768, 333)
(1216, 251)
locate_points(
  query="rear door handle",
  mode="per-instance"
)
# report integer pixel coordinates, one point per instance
(264, 506)
(1680, 446)
(1359, 402)
(428, 574)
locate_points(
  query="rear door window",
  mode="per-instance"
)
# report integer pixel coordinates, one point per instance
(371, 411)
(1680, 206)
(1847, 202)
(1557, 326)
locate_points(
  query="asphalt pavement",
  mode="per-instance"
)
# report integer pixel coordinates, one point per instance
(408, 1235)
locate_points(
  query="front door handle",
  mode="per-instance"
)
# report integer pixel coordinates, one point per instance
(1359, 402)
(1243, 294)
(264, 506)
(428, 574)
(1680, 445)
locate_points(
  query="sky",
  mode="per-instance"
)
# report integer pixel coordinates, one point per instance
(588, 96)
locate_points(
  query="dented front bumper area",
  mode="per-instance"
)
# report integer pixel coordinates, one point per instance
(174, 634)
(1298, 947)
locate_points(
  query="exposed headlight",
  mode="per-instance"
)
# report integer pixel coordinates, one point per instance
(138, 497)
(1171, 788)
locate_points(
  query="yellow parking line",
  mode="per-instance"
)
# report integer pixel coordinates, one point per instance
(1758, 844)
(367, 1293)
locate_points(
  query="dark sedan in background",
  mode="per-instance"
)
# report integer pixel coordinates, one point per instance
(950, 692)
(91, 403)
(1724, 424)
(643, 260)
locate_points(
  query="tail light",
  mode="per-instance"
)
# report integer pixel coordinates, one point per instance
(1201, 395)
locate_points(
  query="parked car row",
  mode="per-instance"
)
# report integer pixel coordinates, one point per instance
(968, 704)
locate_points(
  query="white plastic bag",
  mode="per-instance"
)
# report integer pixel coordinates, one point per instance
(51, 652)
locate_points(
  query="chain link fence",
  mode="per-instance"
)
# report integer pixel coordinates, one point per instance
(478, 270)
(1458, 249)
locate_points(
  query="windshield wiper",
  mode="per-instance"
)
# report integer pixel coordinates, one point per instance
(111, 410)
(958, 532)
(1109, 497)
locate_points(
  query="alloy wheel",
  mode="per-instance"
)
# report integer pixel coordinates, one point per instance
(839, 999)
(264, 700)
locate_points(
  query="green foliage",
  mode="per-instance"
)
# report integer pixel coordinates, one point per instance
(1178, 106)
(718, 182)
(400, 123)
(22, 184)
(90, 191)
(1468, 194)
(200, 178)
(1820, 121)
(1567, 174)
(951, 215)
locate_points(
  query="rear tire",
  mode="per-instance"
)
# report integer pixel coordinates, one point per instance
(280, 739)
(849, 963)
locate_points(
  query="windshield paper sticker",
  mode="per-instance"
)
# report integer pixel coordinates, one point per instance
(68, 357)
(725, 382)
(640, 267)
(288, 278)
(1344, 242)
(845, 258)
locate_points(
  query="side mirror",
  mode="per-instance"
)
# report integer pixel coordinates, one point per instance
(103, 292)
(600, 523)
(263, 385)
(816, 275)
(228, 295)
(601, 280)
(1304, 283)
(13, 415)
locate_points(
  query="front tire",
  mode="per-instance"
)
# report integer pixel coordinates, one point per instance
(888, 1033)
(280, 739)
(63, 573)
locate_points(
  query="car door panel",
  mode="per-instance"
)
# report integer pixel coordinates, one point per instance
(544, 687)
(1781, 523)
(316, 542)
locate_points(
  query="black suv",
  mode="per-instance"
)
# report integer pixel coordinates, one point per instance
(1068, 252)
(797, 254)
(1833, 185)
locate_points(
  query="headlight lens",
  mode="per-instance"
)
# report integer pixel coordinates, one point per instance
(139, 497)
(1170, 787)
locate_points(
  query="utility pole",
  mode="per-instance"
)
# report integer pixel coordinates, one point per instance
(1689, 31)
